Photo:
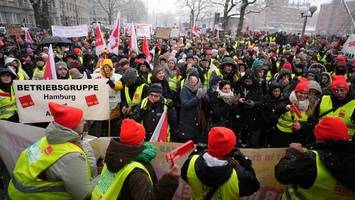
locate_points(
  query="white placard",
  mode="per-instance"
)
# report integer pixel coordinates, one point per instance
(32, 97)
(143, 30)
(349, 46)
(70, 31)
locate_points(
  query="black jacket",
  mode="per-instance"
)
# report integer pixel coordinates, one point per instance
(301, 169)
(220, 113)
(216, 176)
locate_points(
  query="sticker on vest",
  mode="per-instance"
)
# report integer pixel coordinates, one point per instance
(48, 150)
(34, 153)
(105, 181)
(341, 113)
(136, 96)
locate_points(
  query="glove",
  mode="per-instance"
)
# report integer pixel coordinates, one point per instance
(200, 93)
(110, 83)
(250, 103)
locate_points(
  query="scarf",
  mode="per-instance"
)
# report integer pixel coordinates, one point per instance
(192, 88)
(302, 105)
(226, 97)
(149, 153)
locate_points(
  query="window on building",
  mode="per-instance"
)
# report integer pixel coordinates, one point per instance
(15, 18)
(2, 18)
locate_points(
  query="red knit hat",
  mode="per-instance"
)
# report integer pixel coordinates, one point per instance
(302, 85)
(64, 115)
(338, 81)
(287, 66)
(331, 128)
(77, 51)
(340, 59)
(132, 133)
(221, 141)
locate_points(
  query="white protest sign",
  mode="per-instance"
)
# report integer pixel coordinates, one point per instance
(143, 30)
(70, 31)
(175, 33)
(349, 46)
(32, 97)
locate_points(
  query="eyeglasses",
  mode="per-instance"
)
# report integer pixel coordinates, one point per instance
(154, 95)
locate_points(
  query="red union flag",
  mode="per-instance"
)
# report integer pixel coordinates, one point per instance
(50, 71)
(28, 37)
(196, 30)
(145, 48)
(91, 100)
(26, 101)
(115, 36)
(160, 133)
(99, 42)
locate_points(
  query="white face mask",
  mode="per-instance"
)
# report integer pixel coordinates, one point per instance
(242, 74)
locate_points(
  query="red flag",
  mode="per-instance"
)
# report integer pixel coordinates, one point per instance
(145, 48)
(160, 133)
(28, 37)
(196, 30)
(133, 39)
(50, 71)
(100, 42)
(115, 36)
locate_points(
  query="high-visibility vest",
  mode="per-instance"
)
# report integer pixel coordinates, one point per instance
(322, 59)
(144, 106)
(110, 184)
(286, 120)
(33, 161)
(228, 190)
(137, 97)
(174, 82)
(7, 104)
(344, 112)
(325, 187)
(268, 75)
(217, 72)
(22, 75)
(36, 70)
(149, 78)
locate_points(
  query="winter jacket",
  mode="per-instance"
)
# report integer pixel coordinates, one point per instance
(72, 164)
(189, 125)
(221, 113)
(300, 168)
(165, 86)
(213, 176)
(150, 116)
(137, 185)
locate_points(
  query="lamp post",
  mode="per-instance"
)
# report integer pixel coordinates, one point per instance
(309, 13)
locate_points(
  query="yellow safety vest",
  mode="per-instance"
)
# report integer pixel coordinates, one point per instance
(36, 70)
(26, 183)
(144, 106)
(110, 184)
(344, 112)
(325, 187)
(22, 75)
(228, 190)
(174, 83)
(322, 59)
(149, 78)
(286, 120)
(7, 104)
(137, 97)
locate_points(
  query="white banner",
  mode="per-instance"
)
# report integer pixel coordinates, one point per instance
(32, 97)
(143, 30)
(175, 33)
(349, 46)
(70, 31)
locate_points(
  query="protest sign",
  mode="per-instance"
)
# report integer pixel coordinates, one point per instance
(163, 33)
(13, 29)
(32, 97)
(349, 46)
(70, 31)
(143, 30)
(175, 33)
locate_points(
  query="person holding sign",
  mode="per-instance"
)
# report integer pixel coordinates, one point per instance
(128, 174)
(60, 165)
(222, 172)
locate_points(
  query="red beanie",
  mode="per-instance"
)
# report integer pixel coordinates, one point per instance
(287, 65)
(331, 128)
(302, 86)
(77, 51)
(340, 59)
(132, 133)
(339, 80)
(221, 141)
(64, 115)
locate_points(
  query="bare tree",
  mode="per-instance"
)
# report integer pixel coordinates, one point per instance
(110, 7)
(41, 12)
(134, 11)
(242, 13)
(228, 7)
(196, 8)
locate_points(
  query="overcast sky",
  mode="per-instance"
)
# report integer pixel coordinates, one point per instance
(170, 5)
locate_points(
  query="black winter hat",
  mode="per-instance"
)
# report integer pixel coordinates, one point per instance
(156, 87)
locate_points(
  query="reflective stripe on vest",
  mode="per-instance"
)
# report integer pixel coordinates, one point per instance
(228, 190)
(173, 83)
(217, 72)
(26, 182)
(110, 184)
(325, 187)
(149, 78)
(7, 104)
(344, 112)
(268, 75)
(286, 120)
(137, 97)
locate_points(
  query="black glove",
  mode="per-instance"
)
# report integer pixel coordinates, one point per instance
(110, 83)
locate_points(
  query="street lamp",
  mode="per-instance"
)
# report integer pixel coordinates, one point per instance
(309, 13)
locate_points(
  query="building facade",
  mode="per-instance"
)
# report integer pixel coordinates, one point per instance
(334, 19)
(277, 15)
(16, 12)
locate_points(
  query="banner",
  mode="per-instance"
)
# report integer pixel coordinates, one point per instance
(13, 29)
(143, 30)
(175, 33)
(32, 97)
(163, 33)
(349, 47)
(70, 31)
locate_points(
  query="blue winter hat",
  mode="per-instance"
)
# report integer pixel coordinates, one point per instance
(257, 64)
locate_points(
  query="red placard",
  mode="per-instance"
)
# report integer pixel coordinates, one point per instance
(26, 101)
